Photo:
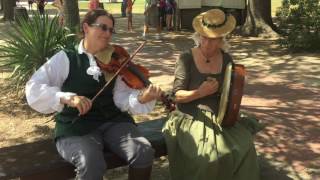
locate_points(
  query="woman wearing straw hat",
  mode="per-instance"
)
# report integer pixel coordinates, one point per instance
(199, 148)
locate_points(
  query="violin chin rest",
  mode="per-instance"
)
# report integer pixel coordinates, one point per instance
(104, 56)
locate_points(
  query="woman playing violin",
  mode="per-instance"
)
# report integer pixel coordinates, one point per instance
(67, 83)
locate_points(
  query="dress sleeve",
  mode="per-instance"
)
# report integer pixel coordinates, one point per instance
(182, 73)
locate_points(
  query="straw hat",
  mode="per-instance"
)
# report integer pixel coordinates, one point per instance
(213, 23)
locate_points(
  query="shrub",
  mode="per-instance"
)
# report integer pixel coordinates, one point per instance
(299, 20)
(30, 45)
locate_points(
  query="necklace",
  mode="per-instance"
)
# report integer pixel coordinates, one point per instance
(206, 59)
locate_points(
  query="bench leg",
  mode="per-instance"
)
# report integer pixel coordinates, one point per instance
(140, 173)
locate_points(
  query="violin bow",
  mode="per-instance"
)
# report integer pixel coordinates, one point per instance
(120, 68)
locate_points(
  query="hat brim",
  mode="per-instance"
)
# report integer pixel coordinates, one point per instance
(213, 32)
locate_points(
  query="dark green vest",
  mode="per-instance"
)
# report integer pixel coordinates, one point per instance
(103, 108)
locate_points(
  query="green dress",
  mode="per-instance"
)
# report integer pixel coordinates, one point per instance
(198, 148)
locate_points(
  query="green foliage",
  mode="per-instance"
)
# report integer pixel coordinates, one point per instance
(32, 42)
(300, 22)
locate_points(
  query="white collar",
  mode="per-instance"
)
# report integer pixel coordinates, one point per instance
(93, 70)
(81, 49)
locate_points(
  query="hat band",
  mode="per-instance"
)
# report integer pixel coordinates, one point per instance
(214, 25)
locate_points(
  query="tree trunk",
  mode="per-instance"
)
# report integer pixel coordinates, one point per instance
(71, 12)
(258, 21)
(8, 9)
(1, 4)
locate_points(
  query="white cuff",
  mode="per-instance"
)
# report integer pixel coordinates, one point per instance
(58, 106)
(137, 107)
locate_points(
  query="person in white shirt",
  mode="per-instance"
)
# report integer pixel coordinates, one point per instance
(66, 84)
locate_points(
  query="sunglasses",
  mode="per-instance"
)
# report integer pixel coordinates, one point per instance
(103, 27)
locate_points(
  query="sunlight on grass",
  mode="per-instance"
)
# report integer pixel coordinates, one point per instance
(114, 8)
(274, 5)
(138, 6)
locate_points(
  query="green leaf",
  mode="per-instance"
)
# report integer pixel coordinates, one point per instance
(30, 44)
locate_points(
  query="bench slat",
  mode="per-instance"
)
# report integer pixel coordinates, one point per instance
(40, 160)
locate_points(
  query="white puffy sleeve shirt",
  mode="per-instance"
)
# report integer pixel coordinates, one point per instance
(43, 90)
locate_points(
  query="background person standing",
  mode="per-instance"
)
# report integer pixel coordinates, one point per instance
(30, 3)
(162, 13)
(169, 11)
(59, 5)
(123, 8)
(94, 4)
(129, 14)
(151, 17)
(41, 4)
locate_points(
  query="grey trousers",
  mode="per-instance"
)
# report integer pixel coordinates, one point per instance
(86, 152)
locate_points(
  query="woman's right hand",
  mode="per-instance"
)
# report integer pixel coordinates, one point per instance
(208, 87)
(82, 103)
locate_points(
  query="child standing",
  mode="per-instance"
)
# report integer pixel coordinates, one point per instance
(129, 14)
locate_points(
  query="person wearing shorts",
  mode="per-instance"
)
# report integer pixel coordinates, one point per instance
(170, 6)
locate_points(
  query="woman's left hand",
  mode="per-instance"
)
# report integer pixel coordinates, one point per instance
(150, 93)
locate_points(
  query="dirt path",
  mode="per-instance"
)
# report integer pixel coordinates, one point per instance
(282, 90)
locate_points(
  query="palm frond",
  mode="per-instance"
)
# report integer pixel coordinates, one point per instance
(30, 44)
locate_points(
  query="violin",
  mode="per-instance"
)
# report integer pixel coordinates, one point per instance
(134, 75)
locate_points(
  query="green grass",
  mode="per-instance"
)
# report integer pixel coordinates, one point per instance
(274, 5)
(138, 7)
(113, 8)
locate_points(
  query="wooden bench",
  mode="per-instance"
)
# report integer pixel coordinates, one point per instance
(41, 161)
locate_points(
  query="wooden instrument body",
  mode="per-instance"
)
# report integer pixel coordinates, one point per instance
(235, 95)
(231, 95)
